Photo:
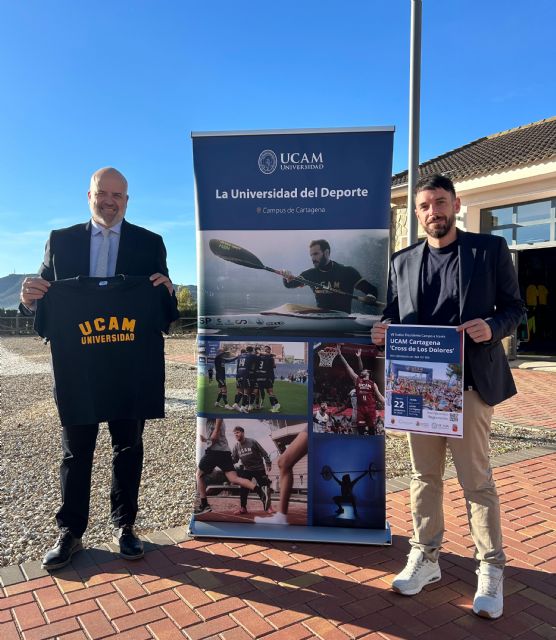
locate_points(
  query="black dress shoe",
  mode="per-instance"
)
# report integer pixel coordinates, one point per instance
(60, 554)
(130, 545)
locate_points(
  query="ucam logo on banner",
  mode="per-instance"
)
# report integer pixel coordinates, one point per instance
(293, 238)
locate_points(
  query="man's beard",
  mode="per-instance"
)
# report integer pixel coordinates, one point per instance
(439, 232)
(319, 264)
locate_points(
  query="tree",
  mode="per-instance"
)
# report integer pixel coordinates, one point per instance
(186, 304)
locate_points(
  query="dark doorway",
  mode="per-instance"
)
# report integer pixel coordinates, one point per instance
(537, 282)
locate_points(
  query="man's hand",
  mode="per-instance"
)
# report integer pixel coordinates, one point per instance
(33, 289)
(477, 329)
(378, 333)
(159, 278)
(287, 275)
(203, 438)
(369, 299)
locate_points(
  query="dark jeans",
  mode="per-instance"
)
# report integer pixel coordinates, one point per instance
(78, 446)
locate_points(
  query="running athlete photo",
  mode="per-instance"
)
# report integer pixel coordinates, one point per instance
(218, 454)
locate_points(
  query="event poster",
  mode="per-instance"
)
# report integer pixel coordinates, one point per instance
(424, 380)
(293, 243)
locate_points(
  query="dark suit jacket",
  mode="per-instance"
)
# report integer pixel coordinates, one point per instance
(488, 289)
(67, 253)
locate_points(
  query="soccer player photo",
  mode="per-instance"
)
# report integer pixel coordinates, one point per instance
(348, 389)
(304, 283)
(252, 471)
(252, 377)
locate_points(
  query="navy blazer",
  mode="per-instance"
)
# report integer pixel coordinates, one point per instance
(488, 289)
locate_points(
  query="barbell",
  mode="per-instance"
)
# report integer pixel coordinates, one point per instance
(327, 473)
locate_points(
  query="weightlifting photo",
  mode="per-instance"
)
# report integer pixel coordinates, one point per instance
(348, 389)
(347, 479)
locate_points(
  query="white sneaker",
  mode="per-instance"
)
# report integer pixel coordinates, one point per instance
(217, 404)
(418, 572)
(489, 597)
(227, 406)
(277, 518)
(236, 406)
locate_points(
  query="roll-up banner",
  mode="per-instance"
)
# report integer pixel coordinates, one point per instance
(293, 243)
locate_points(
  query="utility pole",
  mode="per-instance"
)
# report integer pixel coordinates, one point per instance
(414, 116)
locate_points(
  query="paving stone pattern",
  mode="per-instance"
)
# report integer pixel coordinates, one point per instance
(233, 590)
(236, 590)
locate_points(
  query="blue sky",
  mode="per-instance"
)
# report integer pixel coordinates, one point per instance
(124, 82)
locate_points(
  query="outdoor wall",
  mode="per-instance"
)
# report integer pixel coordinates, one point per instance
(523, 184)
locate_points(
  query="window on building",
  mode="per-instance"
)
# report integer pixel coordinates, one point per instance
(528, 223)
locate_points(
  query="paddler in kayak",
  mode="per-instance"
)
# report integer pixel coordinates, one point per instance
(331, 275)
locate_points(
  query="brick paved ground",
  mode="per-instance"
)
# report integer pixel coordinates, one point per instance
(236, 590)
(535, 404)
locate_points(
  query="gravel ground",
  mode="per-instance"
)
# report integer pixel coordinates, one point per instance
(30, 453)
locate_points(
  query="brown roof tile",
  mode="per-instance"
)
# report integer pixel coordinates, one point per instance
(505, 150)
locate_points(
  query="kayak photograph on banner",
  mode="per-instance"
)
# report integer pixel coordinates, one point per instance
(252, 377)
(424, 380)
(317, 281)
(293, 239)
(348, 389)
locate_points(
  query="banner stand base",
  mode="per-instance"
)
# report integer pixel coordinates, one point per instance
(292, 533)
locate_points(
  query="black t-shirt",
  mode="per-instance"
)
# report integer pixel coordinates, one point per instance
(220, 364)
(439, 292)
(107, 347)
(335, 276)
(266, 365)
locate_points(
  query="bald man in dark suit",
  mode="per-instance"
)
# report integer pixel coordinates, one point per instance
(104, 246)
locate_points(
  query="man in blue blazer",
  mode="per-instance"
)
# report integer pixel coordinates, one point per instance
(465, 280)
(105, 246)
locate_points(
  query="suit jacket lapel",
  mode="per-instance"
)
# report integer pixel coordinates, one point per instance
(467, 254)
(125, 249)
(82, 250)
(414, 262)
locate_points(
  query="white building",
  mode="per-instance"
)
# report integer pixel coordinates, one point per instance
(507, 185)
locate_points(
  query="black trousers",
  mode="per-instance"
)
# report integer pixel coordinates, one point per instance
(78, 447)
(260, 476)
